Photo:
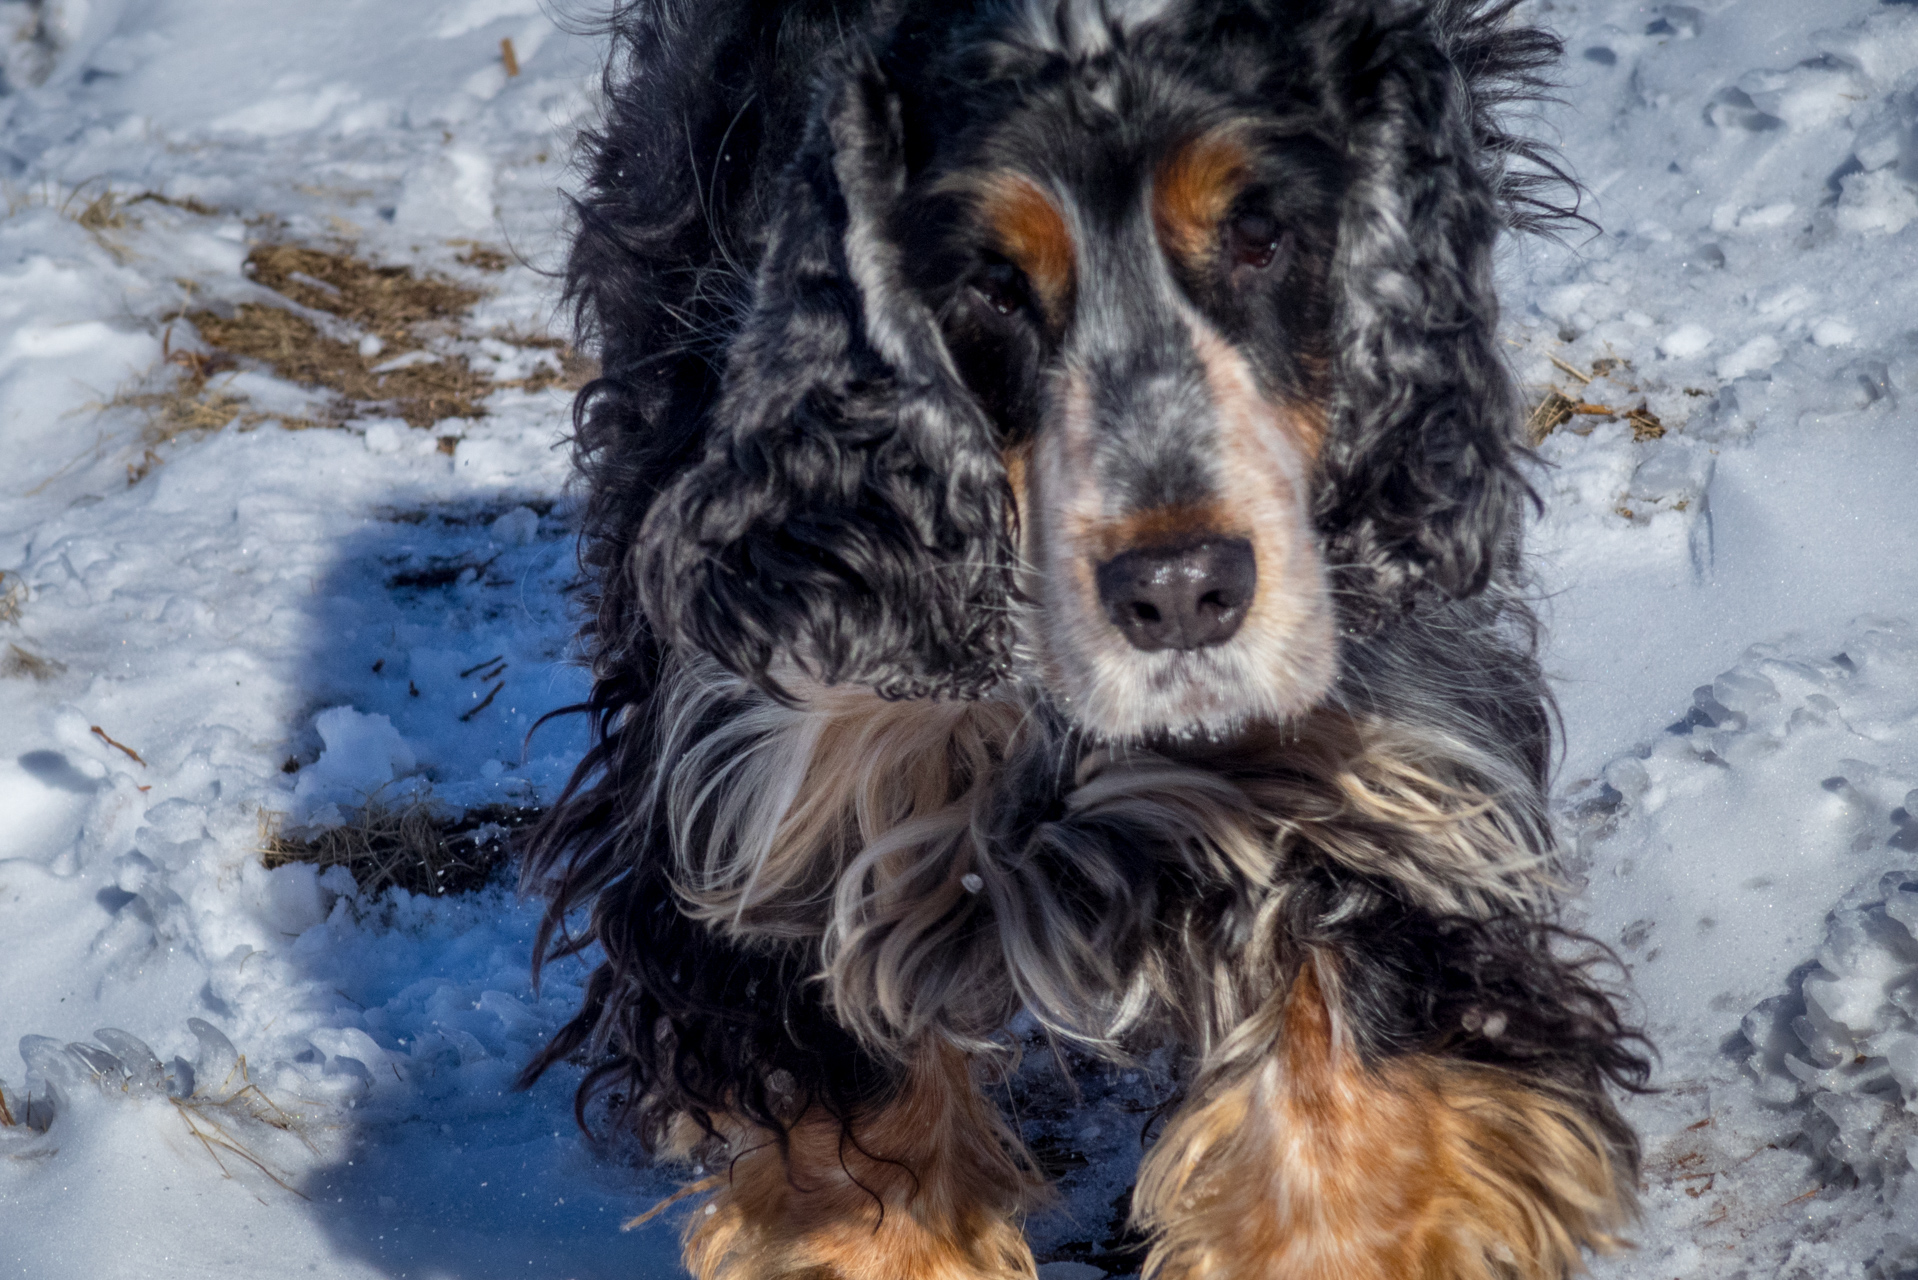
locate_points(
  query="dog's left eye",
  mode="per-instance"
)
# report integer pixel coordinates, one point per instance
(1003, 286)
(1254, 240)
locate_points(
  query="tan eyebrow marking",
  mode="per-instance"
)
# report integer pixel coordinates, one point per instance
(1029, 230)
(1194, 188)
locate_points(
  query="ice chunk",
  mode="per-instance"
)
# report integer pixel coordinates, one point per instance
(1901, 1052)
(1673, 473)
(1686, 341)
(516, 528)
(177, 821)
(141, 1065)
(386, 436)
(1876, 202)
(217, 1059)
(1744, 691)
(1843, 1046)
(362, 754)
(290, 896)
(1759, 354)
(1833, 332)
(57, 1070)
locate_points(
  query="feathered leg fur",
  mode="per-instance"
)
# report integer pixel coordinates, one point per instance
(1316, 1165)
(929, 1185)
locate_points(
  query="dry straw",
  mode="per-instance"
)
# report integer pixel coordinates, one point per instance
(406, 845)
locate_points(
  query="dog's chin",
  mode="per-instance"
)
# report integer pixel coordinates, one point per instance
(1213, 694)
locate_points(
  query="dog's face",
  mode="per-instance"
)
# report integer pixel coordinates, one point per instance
(1141, 303)
(1108, 358)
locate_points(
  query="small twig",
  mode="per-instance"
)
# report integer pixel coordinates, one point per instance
(486, 702)
(131, 754)
(507, 56)
(703, 1185)
(6, 1116)
(481, 666)
(1583, 378)
(1595, 410)
(1710, 1180)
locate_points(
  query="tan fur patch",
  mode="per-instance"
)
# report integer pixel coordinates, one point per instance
(926, 1187)
(1312, 1166)
(1246, 411)
(1163, 526)
(1028, 228)
(1193, 191)
(1017, 462)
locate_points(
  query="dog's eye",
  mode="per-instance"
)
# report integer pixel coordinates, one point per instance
(1254, 240)
(1003, 286)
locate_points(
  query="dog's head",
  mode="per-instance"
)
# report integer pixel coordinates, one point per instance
(1133, 347)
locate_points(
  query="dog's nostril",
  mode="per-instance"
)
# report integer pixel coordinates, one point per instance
(1181, 597)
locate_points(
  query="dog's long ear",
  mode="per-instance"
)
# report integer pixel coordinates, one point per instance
(851, 515)
(1421, 464)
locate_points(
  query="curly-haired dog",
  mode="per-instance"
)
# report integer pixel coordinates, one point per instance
(1054, 514)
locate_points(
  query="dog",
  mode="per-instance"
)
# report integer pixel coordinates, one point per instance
(1053, 526)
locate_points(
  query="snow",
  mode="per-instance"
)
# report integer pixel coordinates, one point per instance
(381, 607)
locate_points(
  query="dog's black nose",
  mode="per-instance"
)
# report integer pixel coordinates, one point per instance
(1179, 597)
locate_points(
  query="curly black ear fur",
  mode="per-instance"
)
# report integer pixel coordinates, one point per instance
(851, 514)
(1423, 491)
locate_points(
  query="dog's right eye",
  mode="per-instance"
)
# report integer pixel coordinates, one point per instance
(1003, 286)
(1254, 240)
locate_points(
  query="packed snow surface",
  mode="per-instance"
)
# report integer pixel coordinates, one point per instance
(225, 1070)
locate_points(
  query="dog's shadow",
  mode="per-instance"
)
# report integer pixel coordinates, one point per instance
(451, 619)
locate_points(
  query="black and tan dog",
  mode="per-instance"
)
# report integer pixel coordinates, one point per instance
(1054, 515)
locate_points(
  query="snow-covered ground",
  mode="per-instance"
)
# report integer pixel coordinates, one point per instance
(199, 630)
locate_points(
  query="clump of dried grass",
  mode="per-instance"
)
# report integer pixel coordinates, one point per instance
(401, 312)
(481, 256)
(388, 301)
(1556, 408)
(422, 394)
(18, 663)
(391, 303)
(13, 596)
(1645, 424)
(1553, 411)
(187, 403)
(404, 846)
(576, 368)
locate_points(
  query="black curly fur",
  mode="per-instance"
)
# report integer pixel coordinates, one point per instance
(794, 471)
